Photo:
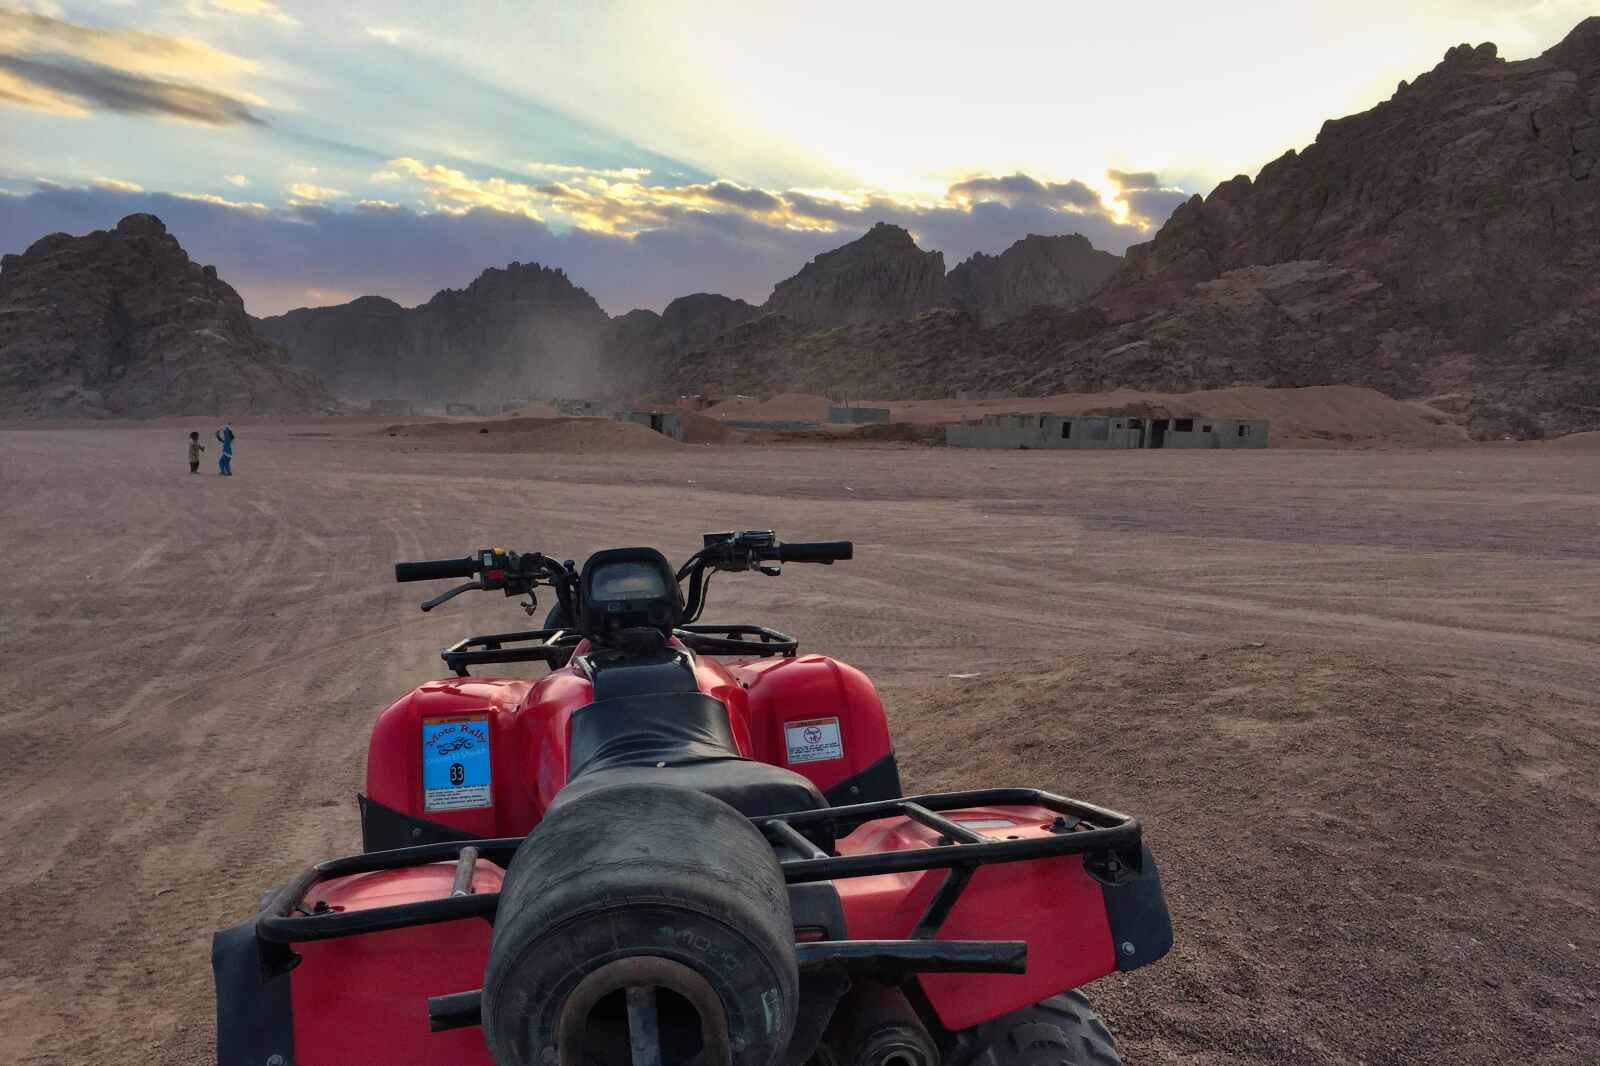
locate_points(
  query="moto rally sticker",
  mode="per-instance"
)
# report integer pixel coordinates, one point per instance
(813, 740)
(455, 764)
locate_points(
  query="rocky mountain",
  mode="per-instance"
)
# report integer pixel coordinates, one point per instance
(643, 345)
(522, 330)
(929, 356)
(1034, 272)
(1444, 245)
(881, 275)
(121, 322)
(526, 330)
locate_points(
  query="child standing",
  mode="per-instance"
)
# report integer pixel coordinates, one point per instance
(195, 448)
(225, 460)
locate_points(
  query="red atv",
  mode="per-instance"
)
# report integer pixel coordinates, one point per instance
(684, 845)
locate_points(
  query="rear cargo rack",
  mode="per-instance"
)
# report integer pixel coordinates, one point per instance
(1109, 841)
(554, 647)
(737, 640)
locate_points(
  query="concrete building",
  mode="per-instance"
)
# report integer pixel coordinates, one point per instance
(664, 422)
(858, 416)
(1072, 432)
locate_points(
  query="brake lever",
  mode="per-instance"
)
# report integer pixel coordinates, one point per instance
(470, 586)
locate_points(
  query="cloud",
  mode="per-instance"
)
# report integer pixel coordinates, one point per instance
(217, 201)
(59, 67)
(90, 84)
(117, 185)
(1134, 179)
(238, 181)
(263, 9)
(971, 216)
(305, 192)
(627, 173)
(1148, 202)
(1152, 206)
(393, 35)
(1022, 189)
(717, 236)
(134, 51)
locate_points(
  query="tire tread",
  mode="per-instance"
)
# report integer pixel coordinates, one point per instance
(1063, 1030)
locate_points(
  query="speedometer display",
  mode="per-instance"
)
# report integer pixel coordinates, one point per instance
(628, 581)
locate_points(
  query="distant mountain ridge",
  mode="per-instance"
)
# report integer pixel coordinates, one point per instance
(121, 322)
(527, 330)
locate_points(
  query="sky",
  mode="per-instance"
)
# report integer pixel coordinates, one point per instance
(319, 152)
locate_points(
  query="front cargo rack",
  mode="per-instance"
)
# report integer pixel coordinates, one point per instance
(1110, 842)
(554, 647)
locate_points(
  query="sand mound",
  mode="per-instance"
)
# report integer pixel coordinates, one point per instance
(1578, 442)
(533, 410)
(699, 429)
(785, 407)
(578, 435)
(1321, 415)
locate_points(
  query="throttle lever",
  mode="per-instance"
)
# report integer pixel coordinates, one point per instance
(470, 586)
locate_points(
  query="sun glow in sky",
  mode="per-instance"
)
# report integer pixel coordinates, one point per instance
(320, 151)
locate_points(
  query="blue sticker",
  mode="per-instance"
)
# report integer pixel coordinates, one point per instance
(455, 764)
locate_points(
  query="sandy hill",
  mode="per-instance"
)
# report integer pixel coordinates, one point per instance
(785, 407)
(122, 322)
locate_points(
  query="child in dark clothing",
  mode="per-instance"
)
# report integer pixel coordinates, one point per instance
(195, 448)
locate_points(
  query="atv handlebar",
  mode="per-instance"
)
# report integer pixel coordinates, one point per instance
(519, 573)
(436, 569)
(822, 551)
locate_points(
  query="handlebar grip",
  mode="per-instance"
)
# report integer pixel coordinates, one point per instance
(821, 551)
(435, 569)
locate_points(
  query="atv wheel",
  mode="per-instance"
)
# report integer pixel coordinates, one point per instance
(556, 619)
(641, 913)
(1060, 1031)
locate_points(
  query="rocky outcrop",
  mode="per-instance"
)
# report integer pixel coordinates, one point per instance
(1034, 272)
(1463, 217)
(882, 275)
(643, 345)
(121, 322)
(931, 355)
(1443, 245)
(524, 330)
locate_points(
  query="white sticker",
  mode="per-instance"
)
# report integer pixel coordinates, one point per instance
(987, 823)
(813, 740)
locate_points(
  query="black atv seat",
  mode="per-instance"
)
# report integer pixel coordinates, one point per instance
(682, 739)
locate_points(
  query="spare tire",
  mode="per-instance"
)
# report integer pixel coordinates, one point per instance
(641, 886)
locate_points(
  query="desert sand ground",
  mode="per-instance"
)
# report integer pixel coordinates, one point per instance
(1355, 695)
